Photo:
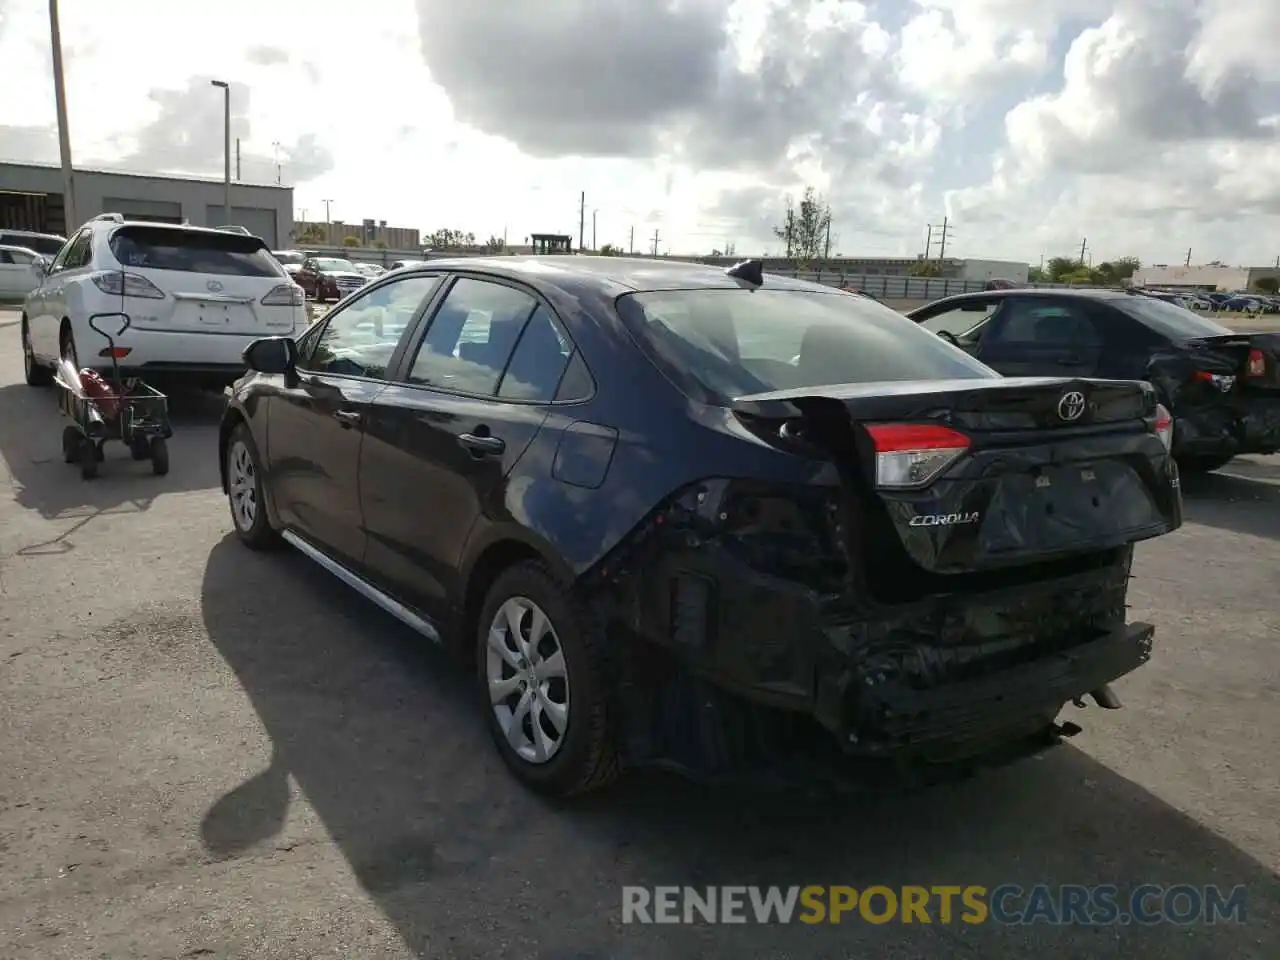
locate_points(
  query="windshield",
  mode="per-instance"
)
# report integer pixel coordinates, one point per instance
(165, 248)
(1175, 322)
(737, 342)
(333, 263)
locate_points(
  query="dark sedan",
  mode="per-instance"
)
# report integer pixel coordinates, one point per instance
(1222, 387)
(735, 524)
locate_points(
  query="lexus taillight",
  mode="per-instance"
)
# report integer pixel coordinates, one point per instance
(913, 454)
(1257, 363)
(1164, 426)
(1217, 380)
(285, 295)
(120, 284)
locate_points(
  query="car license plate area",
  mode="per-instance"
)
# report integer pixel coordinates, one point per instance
(215, 316)
(1062, 507)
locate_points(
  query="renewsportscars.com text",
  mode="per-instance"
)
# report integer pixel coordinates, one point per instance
(1066, 904)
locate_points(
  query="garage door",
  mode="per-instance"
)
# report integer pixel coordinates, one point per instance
(156, 211)
(256, 220)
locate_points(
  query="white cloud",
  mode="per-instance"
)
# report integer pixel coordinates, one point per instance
(1148, 126)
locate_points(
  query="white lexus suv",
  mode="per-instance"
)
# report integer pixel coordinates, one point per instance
(195, 299)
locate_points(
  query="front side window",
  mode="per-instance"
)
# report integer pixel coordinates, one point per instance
(1045, 324)
(360, 339)
(472, 337)
(962, 322)
(733, 343)
(191, 251)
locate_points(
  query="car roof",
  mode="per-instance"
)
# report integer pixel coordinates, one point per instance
(31, 233)
(611, 276)
(1048, 293)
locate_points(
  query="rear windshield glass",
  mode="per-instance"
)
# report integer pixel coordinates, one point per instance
(334, 264)
(738, 342)
(159, 248)
(285, 257)
(1175, 322)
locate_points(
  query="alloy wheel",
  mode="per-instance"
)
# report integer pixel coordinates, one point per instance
(242, 485)
(528, 680)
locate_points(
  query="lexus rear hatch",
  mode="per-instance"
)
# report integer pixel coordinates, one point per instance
(201, 281)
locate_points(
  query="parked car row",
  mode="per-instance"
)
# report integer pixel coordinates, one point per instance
(1215, 302)
(671, 514)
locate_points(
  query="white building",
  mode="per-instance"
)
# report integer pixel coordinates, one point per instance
(31, 199)
(1205, 277)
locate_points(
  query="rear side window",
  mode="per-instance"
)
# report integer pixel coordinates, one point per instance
(1041, 324)
(471, 337)
(733, 343)
(189, 251)
(539, 360)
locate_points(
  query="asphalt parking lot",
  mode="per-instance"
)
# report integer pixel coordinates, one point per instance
(210, 753)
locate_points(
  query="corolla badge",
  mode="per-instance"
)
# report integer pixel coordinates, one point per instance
(1071, 406)
(944, 519)
(214, 286)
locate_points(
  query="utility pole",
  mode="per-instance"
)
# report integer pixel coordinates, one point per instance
(326, 210)
(1188, 263)
(275, 147)
(942, 244)
(593, 231)
(631, 244)
(582, 218)
(64, 133)
(237, 158)
(928, 240)
(826, 244)
(1083, 247)
(943, 229)
(226, 147)
(655, 242)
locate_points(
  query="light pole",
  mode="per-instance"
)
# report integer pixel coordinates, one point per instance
(64, 133)
(275, 145)
(226, 99)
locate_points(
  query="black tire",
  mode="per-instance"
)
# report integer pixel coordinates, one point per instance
(89, 460)
(1192, 466)
(159, 456)
(37, 375)
(71, 444)
(587, 758)
(257, 534)
(140, 449)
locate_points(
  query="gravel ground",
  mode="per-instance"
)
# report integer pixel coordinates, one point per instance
(210, 753)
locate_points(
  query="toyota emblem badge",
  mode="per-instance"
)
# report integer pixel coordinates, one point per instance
(214, 286)
(1071, 406)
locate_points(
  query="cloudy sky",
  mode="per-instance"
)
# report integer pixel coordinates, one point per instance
(1148, 127)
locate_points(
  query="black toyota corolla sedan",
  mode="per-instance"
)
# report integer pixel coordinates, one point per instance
(711, 519)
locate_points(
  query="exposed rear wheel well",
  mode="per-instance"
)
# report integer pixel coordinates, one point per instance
(496, 558)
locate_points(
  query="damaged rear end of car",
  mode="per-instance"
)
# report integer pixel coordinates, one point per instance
(950, 572)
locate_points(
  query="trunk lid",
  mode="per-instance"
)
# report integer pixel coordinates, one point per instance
(1027, 469)
(212, 282)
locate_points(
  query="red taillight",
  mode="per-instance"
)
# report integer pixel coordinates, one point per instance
(1257, 363)
(913, 454)
(1164, 426)
(118, 352)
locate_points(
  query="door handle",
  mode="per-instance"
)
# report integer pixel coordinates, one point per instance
(348, 418)
(482, 446)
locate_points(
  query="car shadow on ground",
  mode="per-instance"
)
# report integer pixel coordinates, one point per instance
(31, 447)
(385, 740)
(1243, 497)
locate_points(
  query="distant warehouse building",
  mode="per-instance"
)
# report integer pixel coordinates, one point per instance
(31, 199)
(1207, 277)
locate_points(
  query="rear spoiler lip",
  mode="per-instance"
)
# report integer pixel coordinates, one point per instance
(1225, 340)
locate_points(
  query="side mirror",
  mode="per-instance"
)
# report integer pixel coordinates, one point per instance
(272, 355)
(41, 266)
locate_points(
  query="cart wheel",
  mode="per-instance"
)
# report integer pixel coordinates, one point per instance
(88, 459)
(70, 444)
(159, 456)
(140, 449)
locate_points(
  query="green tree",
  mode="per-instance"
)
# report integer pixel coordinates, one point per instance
(609, 250)
(351, 241)
(1037, 275)
(380, 245)
(1113, 272)
(923, 268)
(312, 233)
(495, 244)
(447, 239)
(806, 231)
(1269, 285)
(1059, 267)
